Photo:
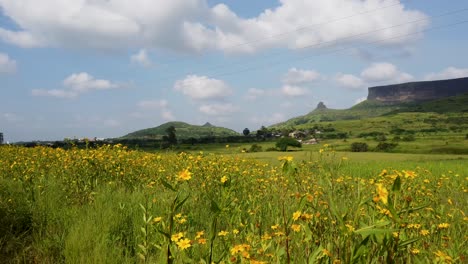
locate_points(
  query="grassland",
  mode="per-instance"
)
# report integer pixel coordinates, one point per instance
(224, 205)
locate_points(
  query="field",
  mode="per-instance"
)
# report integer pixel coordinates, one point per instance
(223, 205)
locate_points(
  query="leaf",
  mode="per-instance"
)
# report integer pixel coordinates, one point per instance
(214, 207)
(164, 234)
(374, 231)
(410, 210)
(396, 184)
(168, 186)
(181, 203)
(409, 241)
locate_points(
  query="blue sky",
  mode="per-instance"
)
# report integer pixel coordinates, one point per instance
(104, 68)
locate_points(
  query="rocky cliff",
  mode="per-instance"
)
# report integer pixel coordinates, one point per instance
(418, 91)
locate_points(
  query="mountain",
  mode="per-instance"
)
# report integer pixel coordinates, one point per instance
(442, 96)
(418, 91)
(183, 130)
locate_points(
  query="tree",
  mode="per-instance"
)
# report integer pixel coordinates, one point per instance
(246, 132)
(171, 136)
(283, 143)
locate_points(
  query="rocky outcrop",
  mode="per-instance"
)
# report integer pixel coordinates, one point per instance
(321, 106)
(418, 91)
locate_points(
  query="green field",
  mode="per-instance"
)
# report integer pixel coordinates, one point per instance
(221, 204)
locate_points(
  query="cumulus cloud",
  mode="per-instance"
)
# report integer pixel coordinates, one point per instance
(192, 25)
(297, 76)
(268, 120)
(218, 109)
(350, 81)
(161, 106)
(254, 93)
(141, 58)
(202, 88)
(375, 73)
(384, 71)
(76, 84)
(7, 65)
(293, 91)
(448, 73)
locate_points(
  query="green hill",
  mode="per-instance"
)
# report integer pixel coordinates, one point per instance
(183, 131)
(371, 108)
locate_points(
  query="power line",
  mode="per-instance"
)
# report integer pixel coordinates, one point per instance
(307, 27)
(270, 64)
(352, 37)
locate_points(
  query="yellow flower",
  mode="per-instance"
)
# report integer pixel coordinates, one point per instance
(296, 228)
(414, 251)
(296, 215)
(224, 179)
(157, 219)
(199, 234)
(274, 227)
(177, 237)
(410, 174)
(223, 233)
(286, 158)
(442, 257)
(202, 241)
(382, 193)
(227, 146)
(184, 243)
(184, 175)
(424, 232)
(235, 231)
(443, 226)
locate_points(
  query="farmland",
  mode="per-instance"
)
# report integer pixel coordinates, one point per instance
(221, 205)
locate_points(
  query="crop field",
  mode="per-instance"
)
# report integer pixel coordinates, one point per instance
(115, 205)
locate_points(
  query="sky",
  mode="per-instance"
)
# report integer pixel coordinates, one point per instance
(105, 68)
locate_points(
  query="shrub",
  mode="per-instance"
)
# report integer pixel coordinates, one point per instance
(383, 146)
(408, 138)
(359, 147)
(255, 148)
(283, 143)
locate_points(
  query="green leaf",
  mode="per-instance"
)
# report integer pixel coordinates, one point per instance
(409, 241)
(168, 186)
(410, 210)
(374, 231)
(181, 203)
(396, 184)
(214, 207)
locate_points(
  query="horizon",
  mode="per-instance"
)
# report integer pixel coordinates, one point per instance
(104, 69)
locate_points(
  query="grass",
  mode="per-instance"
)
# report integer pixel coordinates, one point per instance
(113, 205)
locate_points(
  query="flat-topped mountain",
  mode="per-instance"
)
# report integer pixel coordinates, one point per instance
(418, 91)
(183, 131)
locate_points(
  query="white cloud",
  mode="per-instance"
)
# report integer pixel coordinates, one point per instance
(11, 117)
(384, 71)
(293, 91)
(268, 120)
(448, 73)
(191, 25)
(298, 76)
(254, 93)
(7, 65)
(202, 88)
(218, 109)
(350, 81)
(161, 106)
(360, 100)
(141, 58)
(77, 84)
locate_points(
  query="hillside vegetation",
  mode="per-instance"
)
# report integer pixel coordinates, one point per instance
(183, 131)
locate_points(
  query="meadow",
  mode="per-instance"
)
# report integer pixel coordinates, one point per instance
(224, 205)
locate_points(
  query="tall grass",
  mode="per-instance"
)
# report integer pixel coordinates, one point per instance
(112, 205)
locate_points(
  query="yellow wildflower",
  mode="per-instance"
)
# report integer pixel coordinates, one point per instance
(382, 193)
(177, 237)
(184, 175)
(184, 243)
(223, 233)
(224, 179)
(157, 219)
(296, 228)
(443, 225)
(199, 234)
(424, 232)
(296, 215)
